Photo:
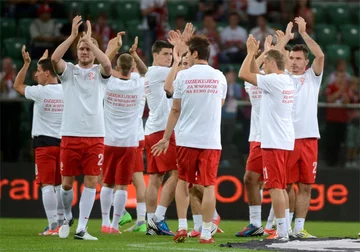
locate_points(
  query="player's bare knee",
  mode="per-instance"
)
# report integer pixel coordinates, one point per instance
(90, 181)
(289, 188)
(305, 188)
(67, 182)
(251, 180)
(156, 180)
(121, 187)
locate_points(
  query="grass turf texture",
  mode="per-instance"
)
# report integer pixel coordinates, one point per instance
(22, 235)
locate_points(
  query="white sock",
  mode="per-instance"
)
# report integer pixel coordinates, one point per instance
(197, 222)
(270, 219)
(67, 199)
(261, 194)
(50, 205)
(140, 211)
(150, 216)
(255, 215)
(291, 217)
(120, 199)
(85, 206)
(183, 224)
(160, 213)
(215, 216)
(60, 206)
(281, 227)
(106, 198)
(206, 230)
(287, 217)
(299, 225)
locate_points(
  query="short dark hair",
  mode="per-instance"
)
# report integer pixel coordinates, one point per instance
(46, 65)
(278, 57)
(301, 47)
(201, 44)
(125, 62)
(159, 45)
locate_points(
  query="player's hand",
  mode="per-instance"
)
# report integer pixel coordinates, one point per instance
(288, 31)
(301, 24)
(279, 36)
(116, 42)
(252, 45)
(160, 147)
(77, 21)
(268, 42)
(45, 55)
(133, 48)
(87, 36)
(188, 32)
(174, 38)
(25, 55)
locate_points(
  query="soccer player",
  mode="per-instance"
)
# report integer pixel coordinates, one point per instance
(82, 129)
(196, 191)
(48, 109)
(123, 98)
(159, 106)
(277, 132)
(198, 96)
(302, 163)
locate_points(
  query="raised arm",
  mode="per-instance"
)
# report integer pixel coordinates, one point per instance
(260, 60)
(56, 58)
(283, 39)
(318, 63)
(114, 45)
(168, 85)
(19, 85)
(179, 39)
(245, 71)
(139, 63)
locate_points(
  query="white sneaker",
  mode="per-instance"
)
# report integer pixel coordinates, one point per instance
(64, 231)
(84, 235)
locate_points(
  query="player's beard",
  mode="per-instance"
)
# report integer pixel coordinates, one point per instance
(86, 62)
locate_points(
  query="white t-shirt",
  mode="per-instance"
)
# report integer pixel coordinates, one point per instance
(305, 109)
(276, 127)
(201, 89)
(48, 109)
(141, 131)
(255, 98)
(159, 105)
(121, 107)
(83, 101)
(238, 34)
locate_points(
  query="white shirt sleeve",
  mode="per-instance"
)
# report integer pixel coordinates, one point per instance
(33, 92)
(266, 82)
(68, 72)
(134, 75)
(316, 78)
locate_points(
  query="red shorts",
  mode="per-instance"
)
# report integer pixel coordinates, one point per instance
(255, 162)
(164, 162)
(274, 167)
(198, 166)
(139, 160)
(81, 155)
(47, 165)
(119, 163)
(302, 162)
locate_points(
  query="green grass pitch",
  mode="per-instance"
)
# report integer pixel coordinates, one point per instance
(22, 235)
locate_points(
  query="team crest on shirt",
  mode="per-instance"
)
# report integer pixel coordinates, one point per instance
(91, 75)
(302, 80)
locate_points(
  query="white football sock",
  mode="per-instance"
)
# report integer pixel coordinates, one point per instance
(50, 205)
(281, 227)
(85, 206)
(149, 216)
(183, 224)
(270, 219)
(67, 199)
(299, 225)
(60, 207)
(197, 222)
(160, 213)
(140, 211)
(216, 215)
(255, 215)
(106, 198)
(206, 230)
(120, 199)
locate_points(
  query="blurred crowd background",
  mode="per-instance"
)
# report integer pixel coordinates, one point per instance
(335, 25)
